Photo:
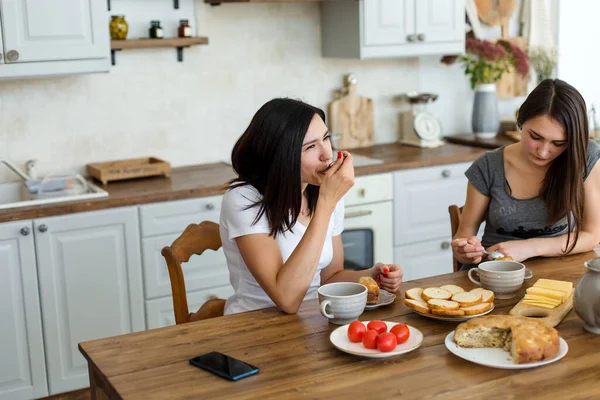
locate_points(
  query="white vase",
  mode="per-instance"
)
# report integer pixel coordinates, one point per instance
(485, 120)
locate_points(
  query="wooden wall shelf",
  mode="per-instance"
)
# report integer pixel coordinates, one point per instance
(178, 43)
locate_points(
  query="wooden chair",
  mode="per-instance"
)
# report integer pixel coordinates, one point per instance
(195, 239)
(455, 215)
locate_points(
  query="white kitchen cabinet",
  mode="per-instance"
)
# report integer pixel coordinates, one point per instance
(421, 200)
(159, 312)
(205, 275)
(89, 268)
(422, 232)
(424, 259)
(22, 367)
(42, 37)
(392, 28)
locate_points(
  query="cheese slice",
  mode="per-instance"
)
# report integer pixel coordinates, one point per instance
(542, 305)
(542, 299)
(552, 294)
(551, 284)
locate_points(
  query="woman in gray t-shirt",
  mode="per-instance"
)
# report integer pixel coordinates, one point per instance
(540, 196)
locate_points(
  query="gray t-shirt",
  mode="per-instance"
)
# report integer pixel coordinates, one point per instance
(509, 218)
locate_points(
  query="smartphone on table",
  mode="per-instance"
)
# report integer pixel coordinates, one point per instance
(224, 366)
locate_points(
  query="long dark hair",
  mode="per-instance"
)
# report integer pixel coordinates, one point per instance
(562, 189)
(268, 157)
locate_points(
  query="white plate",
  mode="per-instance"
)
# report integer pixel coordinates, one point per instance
(339, 338)
(455, 319)
(498, 358)
(385, 298)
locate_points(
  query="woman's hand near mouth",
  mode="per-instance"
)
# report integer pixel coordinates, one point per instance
(336, 181)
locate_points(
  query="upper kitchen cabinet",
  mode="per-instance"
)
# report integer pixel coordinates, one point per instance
(44, 38)
(392, 28)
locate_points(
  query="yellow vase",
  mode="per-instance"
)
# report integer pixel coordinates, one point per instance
(118, 27)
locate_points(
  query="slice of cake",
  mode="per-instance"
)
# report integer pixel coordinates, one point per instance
(527, 340)
(372, 289)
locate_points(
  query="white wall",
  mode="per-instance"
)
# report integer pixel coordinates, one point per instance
(579, 54)
(190, 112)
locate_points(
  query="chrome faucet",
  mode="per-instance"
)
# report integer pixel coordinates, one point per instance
(16, 170)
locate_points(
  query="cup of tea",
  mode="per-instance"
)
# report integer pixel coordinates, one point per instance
(504, 278)
(342, 302)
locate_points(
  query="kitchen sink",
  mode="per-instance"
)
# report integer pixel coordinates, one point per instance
(16, 195)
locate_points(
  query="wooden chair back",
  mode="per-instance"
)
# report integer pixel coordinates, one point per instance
(195, 239)
(455, 215)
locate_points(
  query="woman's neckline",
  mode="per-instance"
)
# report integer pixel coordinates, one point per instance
(505, 181)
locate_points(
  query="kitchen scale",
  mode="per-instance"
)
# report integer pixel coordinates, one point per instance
(419, 127)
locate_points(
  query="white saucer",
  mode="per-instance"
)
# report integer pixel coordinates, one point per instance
(339, 338)
(498, 358)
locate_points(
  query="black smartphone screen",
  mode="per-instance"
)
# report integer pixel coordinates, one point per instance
(224, 366)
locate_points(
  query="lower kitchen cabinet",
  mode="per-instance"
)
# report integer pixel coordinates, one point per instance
(22, 367)
(90, 280)
(425, 259)
(159, 312)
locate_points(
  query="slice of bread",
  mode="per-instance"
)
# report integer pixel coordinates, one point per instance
(477, 308)
(449, 313)
(466, 299)
(437, 304)
(435, 293)
(487, 296)
(417, 305)
(452, 288)
(414, 293)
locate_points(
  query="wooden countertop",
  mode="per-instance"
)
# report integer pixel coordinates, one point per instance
(211, 179)
(297, 360)
(470, 140)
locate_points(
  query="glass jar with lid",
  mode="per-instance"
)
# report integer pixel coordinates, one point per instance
(185, 30)
(156, 31)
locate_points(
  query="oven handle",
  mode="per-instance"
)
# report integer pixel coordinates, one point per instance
(356, 214)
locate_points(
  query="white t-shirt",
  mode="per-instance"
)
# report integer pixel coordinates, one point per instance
(235, 221)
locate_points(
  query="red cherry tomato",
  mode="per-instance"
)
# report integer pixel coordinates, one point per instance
(377, 325)
(401, 332)
(386, 342)
(356, 330)
(369, 339)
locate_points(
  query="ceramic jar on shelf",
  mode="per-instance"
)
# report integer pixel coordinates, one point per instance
(118, 27)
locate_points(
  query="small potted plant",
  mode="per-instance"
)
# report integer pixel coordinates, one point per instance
(485, 63)
(544, 61)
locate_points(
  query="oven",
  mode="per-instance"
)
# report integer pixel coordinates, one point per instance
(368, 223)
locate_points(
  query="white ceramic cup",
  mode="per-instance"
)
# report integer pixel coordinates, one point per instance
(504, 278)
(342, 302)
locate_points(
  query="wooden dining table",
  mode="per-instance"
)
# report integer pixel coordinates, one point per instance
(298, 361)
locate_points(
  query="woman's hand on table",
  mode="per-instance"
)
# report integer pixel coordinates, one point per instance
(388, 276)
(468, 250)
(519, 250)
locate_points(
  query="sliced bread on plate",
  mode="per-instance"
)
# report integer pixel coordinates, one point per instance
(435, 293)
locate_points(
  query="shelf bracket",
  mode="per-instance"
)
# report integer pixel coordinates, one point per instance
(113, 59)
(180, 54)
(176, 4)
(108, 4)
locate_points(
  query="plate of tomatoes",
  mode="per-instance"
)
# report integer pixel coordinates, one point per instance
(376, 339)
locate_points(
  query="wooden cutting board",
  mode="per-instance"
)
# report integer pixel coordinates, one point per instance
(551, 317)
(351, 117)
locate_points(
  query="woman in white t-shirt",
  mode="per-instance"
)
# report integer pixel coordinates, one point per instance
(282, 218)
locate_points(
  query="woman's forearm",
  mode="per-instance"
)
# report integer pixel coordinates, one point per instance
(296, 274)
(553, 247)
(348, 276)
